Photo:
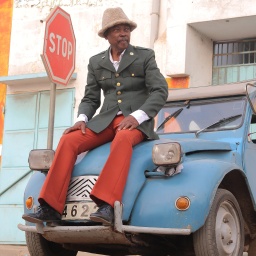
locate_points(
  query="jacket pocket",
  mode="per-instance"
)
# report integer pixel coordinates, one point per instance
(102, 74)
(134, 71)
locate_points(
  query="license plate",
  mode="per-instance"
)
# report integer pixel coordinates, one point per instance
(78, 211)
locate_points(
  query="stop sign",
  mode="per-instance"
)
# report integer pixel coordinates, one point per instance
(59, 46)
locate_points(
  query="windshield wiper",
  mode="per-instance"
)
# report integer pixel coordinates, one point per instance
(223, 120)
(175, 114)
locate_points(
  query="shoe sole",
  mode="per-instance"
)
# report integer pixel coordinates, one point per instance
(35, 220)
(101, 220)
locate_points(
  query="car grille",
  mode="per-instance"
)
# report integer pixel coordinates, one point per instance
(80, 188)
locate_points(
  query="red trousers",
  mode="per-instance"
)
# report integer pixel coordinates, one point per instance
(111, 182)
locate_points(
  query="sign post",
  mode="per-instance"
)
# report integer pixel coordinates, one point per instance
(58, 57)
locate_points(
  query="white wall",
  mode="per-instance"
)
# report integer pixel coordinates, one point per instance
(199, 52)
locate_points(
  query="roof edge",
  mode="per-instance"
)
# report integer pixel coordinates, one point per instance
(212, 91)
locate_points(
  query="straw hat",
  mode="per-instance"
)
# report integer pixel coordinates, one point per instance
(112, 17)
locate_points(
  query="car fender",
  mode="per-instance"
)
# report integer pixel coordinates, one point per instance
(32, 189)
(198, 180)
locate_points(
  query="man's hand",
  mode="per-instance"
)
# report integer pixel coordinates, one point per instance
(129, 122)
(80, 125)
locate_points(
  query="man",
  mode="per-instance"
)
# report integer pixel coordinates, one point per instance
(134, 91)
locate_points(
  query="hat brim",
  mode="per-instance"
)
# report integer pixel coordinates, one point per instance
(132, 24)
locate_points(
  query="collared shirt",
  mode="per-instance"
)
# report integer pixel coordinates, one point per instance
(139, 114)
(116, 62)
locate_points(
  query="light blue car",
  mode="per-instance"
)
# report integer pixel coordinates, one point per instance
(192, 192)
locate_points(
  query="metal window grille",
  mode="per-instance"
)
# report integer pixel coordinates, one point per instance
(234, 61)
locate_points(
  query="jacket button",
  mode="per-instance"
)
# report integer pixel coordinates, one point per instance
(118, 84)
(119, 101)
(118, 93)
(116, 75)
(132, 74)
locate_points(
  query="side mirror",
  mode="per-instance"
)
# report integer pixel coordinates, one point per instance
(251, 95)
(40, 159)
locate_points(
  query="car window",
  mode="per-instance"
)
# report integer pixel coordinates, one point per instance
(199, 114)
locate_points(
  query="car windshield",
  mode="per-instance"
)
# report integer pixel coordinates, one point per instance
(196, 115)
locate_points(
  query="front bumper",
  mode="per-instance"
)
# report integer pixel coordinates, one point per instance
(98, 234)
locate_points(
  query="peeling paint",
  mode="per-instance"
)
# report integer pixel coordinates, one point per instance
(6, 7)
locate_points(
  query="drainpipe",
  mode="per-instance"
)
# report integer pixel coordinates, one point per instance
(154, 21)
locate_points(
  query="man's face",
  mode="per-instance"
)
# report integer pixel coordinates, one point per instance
(119, 36)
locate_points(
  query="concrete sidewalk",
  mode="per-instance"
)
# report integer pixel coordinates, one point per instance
(21, 250)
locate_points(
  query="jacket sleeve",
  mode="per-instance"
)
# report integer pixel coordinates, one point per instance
(156, 85)
(92, 96)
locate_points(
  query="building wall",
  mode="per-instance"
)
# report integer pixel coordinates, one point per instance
(183, 46)
(198, 61)
(192, 26)
(5, 34)
(182, 49)
(86, 19)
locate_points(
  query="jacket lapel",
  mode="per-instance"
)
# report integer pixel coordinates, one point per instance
(129, 57)
(106, 63)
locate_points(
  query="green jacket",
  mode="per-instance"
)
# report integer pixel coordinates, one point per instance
(137, 84)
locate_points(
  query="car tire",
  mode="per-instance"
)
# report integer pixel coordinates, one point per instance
(39, 246)
(223, 231)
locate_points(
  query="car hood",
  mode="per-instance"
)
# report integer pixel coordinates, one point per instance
(92, 162)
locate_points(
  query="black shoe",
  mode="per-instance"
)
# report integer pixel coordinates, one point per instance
(44, 213)
(104, 214)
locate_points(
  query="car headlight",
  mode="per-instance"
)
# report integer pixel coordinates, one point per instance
(166, 154)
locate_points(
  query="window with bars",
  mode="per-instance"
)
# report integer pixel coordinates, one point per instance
(234, 61)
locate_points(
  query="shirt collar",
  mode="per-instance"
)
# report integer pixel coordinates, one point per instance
(120, 57)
